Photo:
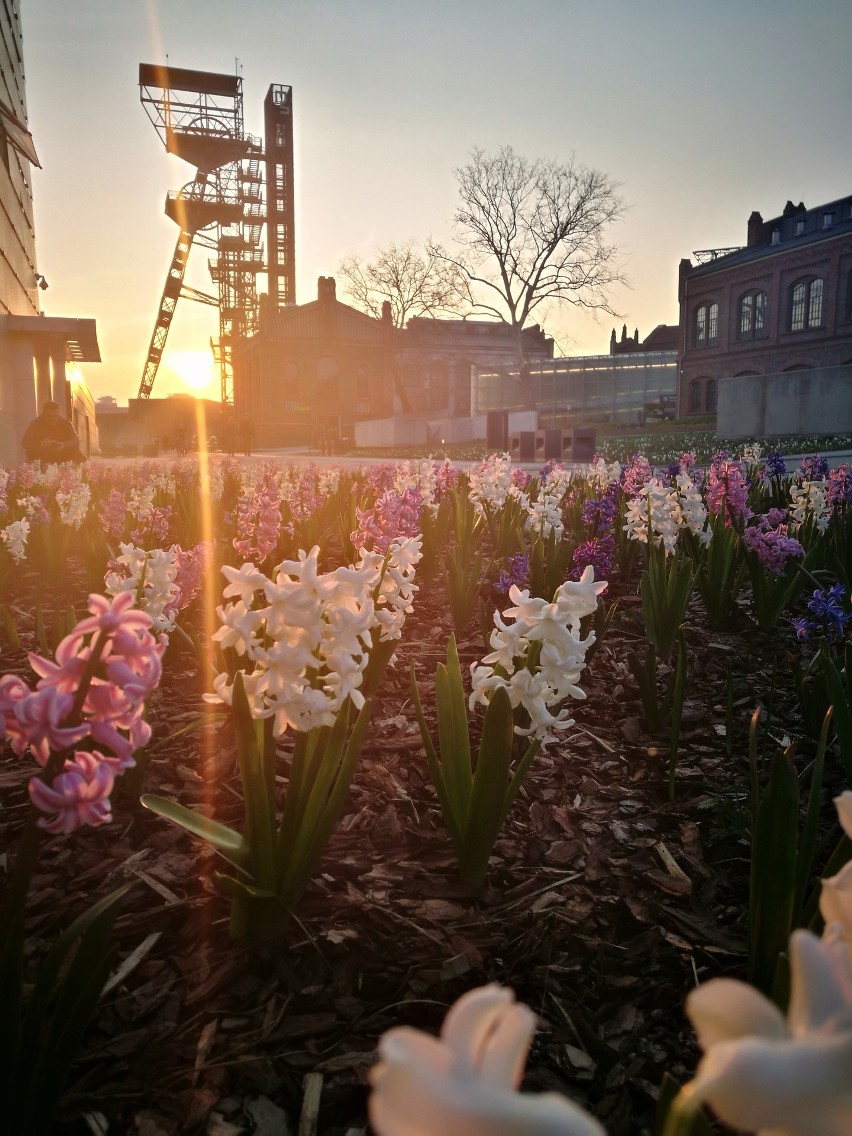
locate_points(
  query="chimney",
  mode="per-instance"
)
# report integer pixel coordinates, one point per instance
(755, 224)
(326, 289)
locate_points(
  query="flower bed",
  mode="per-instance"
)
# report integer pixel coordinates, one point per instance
(621, 871)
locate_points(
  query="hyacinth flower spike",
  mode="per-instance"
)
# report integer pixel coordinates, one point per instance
(465, 1082)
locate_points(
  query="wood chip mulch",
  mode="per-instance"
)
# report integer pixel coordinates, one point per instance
(605, 903)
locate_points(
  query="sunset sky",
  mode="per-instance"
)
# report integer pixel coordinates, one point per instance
(702, 112)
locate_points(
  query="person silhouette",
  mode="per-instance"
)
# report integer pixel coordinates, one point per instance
(51, 438)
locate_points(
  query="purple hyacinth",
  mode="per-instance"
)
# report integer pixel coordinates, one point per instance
(814, 467)
(769, 540)
(839, 489)
(828, 617)
(775, 466)
(599, 513)
(517, 572)
(598, 553)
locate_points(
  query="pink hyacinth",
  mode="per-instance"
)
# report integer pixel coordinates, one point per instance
(727, 490)
(114, 515)
(94, 688)
(191, 564)
(40, 715)
(78, 796)
(636, 475)
(259, 520)
(394, 515)
(768, 539)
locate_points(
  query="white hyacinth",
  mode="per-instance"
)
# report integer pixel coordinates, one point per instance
(14, 538)
(74, 505)
(545, 516)
(491, 484)
(656, 505)
(693, 507)
(308, 633)
(809, 499)
(149, 575)
(539, 678)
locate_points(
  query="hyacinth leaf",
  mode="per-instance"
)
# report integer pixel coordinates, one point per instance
(315, 768)
(260, 806)
(842, 715)
(60, 1007)
(447, 808)
(41, 631)
(229, 844)
(677, 1114)
(519, 774)
(808, 840)
(488, 789)
(324, 811)
(10, 627)
(773, 872)
(453, 736)
(240, 889)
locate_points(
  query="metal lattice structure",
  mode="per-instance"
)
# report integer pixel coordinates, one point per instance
(199, 117)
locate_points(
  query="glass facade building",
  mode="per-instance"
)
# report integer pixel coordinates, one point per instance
(586, 390)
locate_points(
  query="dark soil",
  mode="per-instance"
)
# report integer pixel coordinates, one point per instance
(605, 902)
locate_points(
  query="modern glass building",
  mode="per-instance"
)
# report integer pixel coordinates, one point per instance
(586, 390)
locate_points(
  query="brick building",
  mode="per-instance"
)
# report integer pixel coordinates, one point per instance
(34, 348)
(782, 303)
(314, 370)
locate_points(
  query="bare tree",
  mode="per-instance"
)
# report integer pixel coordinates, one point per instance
(415, 282)
(533, 232)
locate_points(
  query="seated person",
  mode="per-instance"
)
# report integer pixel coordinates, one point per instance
(51, 438)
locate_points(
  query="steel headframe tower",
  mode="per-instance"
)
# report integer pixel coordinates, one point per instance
(199, 117)
(280, 202)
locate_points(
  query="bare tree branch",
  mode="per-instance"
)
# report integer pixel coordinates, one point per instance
(414, 282)
(533, 231)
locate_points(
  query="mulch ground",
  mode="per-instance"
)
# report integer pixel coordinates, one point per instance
(605, 902)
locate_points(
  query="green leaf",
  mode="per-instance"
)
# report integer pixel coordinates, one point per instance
(229, 844)
(453, 823)
(773, 872)
(842, 717)
(488, 790)
(259, 806)
(807, 843)
(453, 735)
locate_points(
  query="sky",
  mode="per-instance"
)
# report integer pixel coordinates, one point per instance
(701, 113)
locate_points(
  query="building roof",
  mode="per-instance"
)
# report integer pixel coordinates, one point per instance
(796, 227)
(80, 335)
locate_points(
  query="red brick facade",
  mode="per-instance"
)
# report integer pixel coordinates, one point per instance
(781, 303)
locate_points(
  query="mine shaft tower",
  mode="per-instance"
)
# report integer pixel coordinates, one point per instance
(199, 117)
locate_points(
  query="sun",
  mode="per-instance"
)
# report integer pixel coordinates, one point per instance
(193, 368)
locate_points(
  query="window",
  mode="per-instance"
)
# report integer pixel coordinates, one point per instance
(752, 324)
(695, 397)
(713, 324)
(706, 325)
(700, 336)
(806, 304)
(847, 309)
(710, 397)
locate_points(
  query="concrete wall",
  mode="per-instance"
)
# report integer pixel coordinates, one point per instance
(817, 401)
(433, 431)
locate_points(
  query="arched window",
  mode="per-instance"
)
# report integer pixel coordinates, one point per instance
(752, 316)
(695, 397)
(705, 330)
(710, 397)
(327, 372)
(806, 304)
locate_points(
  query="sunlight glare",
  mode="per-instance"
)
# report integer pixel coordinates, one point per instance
(193, 368)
